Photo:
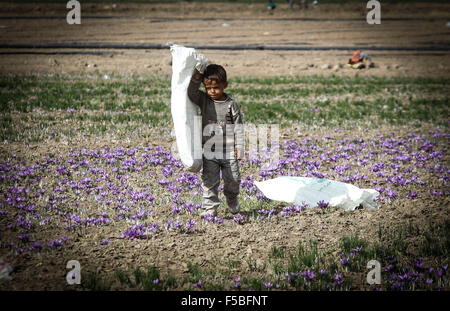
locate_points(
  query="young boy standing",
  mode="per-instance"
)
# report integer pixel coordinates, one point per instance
(222, 139)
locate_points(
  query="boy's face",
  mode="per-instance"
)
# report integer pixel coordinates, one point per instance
(214, 89)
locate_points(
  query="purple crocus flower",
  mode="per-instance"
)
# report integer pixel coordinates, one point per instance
(24, 237)
(288, 278)
(338, 279)
(412, 195)
(309, 275)
(403, 277)
(357, 249)
(219, 220)
(37, 245)
(169, 223)
(345, 260)
(322, 204)
(208, 217)
(267, 285)
(199, 284)
(417, 263)
(239, 219)
(190, 225)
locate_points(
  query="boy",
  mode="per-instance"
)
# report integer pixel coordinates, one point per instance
(221, 151)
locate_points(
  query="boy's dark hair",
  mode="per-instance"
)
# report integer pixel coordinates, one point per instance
(215, 72)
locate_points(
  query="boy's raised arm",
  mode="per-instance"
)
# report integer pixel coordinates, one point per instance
(194, 92)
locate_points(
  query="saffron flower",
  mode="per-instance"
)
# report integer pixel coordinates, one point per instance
(338, 279)
(322, 204)
(345, 260)
(239, 219)
(267, 285)
(309, 275)
(190, 225)
(412, 195)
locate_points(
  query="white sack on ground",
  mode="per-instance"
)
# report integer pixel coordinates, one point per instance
(297, 190)
(187, 128)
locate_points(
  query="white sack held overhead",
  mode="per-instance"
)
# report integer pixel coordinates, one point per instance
(313, 190)
(187, 127)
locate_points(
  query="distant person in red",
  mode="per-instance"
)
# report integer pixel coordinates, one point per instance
(360, 60)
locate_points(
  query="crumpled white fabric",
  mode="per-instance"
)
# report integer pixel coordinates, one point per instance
(187, 129)
(299, 190)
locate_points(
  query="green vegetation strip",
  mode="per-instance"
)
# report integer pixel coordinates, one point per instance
(41, 104)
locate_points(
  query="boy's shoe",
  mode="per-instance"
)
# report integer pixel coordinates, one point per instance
(210, 212)
(234, 210)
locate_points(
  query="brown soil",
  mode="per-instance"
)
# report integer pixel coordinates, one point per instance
(415, 25)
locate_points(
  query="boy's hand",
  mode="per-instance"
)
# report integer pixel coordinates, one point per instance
(202, 62)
